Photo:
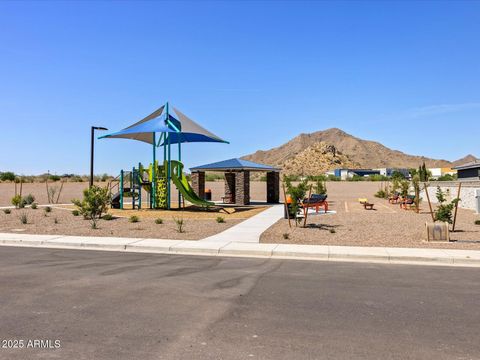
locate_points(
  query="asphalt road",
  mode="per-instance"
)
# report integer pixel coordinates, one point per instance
(107, 305)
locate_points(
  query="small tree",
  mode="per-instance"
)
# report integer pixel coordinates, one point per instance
(297, 193)
(404, 187)
(94, 204)
(444, 209)
(416, 188)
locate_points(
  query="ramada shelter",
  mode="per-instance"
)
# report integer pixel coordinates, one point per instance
(237, 180)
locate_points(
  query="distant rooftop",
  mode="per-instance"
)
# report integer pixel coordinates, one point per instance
(234, 164)
(469, 165)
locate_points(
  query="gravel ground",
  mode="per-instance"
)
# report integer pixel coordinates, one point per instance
(67, 224)
(388, 225)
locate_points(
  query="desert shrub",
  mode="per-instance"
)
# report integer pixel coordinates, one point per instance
(34, 206)
(55, 220)
(23, 218)
(7, 176)
(180, 223)
(477, 222)
(75, 212)
(29, 199)
(444, 209)
(54, 177)
(94, 204)
(382, 194)
(134, 219)
(47, 209)
(105, 177)
(159, 221)
(220, 219)
(107, 217)
(286, 236)
(7, 211)
(17, 201)
(332, 231)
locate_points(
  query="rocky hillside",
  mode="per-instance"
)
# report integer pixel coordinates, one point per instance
(306, 151)
(317, 159)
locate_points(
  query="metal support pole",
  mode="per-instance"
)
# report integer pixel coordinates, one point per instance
(169, 168)
(92, 141)
(179, 172)
(139, 183)
(121, 189)
(154, 179)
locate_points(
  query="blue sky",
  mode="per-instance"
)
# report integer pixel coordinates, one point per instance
(406, 74)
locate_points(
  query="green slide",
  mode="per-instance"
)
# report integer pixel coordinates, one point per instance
(183, 186)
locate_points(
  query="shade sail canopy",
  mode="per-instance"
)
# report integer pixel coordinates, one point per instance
(190, 131)
(181, 129)
(234, 165)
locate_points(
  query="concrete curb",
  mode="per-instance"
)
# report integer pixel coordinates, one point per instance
(439, 257)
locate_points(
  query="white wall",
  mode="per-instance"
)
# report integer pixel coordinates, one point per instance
(468, 193)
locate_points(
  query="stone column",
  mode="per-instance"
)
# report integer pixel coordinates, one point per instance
(273, 187)
(242, 187)
(229, 188)
(198, 183)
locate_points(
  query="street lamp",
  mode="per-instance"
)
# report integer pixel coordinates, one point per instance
(92, 140)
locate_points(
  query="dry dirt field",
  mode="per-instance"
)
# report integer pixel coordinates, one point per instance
(387, 225)
(73, 190)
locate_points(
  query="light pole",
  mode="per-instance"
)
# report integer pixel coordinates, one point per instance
(92, 141)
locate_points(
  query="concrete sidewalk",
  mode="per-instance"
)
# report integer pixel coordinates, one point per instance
(249, 231)
(245, 249)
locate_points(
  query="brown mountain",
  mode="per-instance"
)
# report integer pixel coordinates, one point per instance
(351, 151)
(464, 160)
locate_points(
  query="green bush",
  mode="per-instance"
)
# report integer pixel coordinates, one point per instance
(382, 194)
(134, 219)
(398, 175)
(29, 199)
(34, 206)
(47, 209)
(220, 219)
(23, 218)
(447, 177)
(444, 209)
(7, 176)
(286, 236)
(7, 211)
(159, 221)
(94, 204)
(477, 222)
(54, 177)
(55, 220)
(75, 212)
(107, 217)
(332, 231)
(17, 201)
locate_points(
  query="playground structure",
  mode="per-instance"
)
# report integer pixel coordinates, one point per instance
(163, 128)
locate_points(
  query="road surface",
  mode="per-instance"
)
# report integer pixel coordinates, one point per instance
(107, 305)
